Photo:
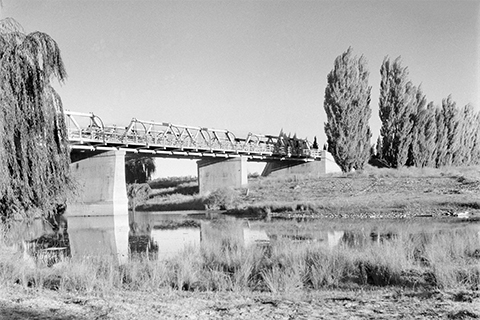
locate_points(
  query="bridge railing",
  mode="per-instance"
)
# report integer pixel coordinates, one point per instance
(89, 129)
(84, 127)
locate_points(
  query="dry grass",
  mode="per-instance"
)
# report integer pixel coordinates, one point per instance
(374, 192)
(443, 256)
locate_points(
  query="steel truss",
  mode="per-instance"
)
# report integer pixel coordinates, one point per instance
(86, 131)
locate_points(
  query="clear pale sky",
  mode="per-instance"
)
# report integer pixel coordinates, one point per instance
(256, 66)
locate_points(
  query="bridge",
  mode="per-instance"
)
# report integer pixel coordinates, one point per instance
(87, 132)
(98, 157)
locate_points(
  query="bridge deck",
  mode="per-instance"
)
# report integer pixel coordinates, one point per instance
(87, 133)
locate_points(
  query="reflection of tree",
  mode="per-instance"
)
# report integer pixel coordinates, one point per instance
(141, 241)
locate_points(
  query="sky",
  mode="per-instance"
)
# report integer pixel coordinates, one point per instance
(248, 66)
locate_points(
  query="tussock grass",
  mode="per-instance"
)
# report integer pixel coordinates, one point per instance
(417, 256)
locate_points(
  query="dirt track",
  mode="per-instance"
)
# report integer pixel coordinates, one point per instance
(17, 303)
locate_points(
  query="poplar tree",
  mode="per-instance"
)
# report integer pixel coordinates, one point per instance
(347, 105)
(396, 109)
(34, 158)
(442, 138)
(379, 148)
(467, 135)
(476, 145)
(429, 147)
(452, 127)
(416, 154)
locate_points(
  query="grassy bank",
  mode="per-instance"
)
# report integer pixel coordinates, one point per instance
(416, 257)
(387, 193)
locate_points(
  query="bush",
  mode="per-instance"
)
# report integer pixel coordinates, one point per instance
(222, 199)
(137, 194)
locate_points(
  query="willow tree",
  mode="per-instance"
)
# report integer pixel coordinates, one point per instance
(347, 105)
(34, 158)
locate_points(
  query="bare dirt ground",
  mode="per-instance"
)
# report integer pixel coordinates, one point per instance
(19, 303)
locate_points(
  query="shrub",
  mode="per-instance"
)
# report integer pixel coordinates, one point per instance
(222, 199)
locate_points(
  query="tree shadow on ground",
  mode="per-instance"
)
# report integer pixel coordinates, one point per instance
(22, 313)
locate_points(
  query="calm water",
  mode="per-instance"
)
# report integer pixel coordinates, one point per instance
(162, 234)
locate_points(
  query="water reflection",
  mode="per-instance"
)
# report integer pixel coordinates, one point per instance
(162, 235)
(99, 236)
(173, 241)
(169, 233)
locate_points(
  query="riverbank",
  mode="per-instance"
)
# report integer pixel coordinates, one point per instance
(412, 269)
(422, 268)
(373, 193)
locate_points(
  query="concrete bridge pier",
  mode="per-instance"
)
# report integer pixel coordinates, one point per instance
(315, 168)
(218, 173)
(98, 217)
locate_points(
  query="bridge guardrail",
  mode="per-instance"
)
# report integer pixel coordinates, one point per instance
(89, 129)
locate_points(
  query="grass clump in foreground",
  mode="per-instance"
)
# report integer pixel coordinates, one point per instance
(444, 259)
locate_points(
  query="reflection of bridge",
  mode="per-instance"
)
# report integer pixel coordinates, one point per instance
(87, 132)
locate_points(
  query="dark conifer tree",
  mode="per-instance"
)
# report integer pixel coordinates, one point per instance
(315, 143)
(347, 105)
(139, 169)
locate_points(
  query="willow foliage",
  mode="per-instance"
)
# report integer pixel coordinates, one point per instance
(347, 105)
(34, 158)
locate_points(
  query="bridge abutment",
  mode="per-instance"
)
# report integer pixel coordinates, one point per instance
(221, 173)
(315, 168)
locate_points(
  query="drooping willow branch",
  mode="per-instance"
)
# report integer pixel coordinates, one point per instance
(34, 157)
